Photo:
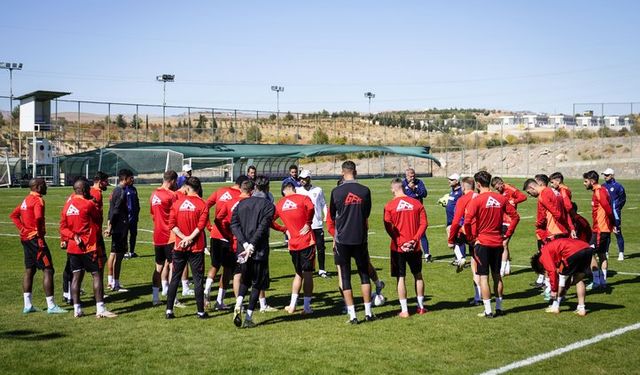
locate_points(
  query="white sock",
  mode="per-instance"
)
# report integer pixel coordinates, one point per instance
(476, 289)
(169, 311)
(110, 279)
(66, 295)
(50, 303)
(263, 303)
(155, 292)
(220, 298)
(352, 312)
(580, 308)
(207, 286)
(403, 305)
(457, 252)
(100, 307)
(540, 279)
(249, 314)
(165, 286)
(596, 277)
(507, 268)
(27, 300)
(603, 277)
(503, 267)
(547, 283)
(487, 306)
(239, 302)
(185, 285)
(420, 302)
(498, 303)
(294, 300)
(307, 303)
(367, 308)
(555, 304)
(76, 308)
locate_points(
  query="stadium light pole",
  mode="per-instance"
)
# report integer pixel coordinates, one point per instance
(164, 78)
(11, 67)
(369, 95)
(278, 90)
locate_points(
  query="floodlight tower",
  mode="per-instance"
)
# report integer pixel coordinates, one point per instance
(11, 67)
(164, 78)
(278, 90)
(369, 95)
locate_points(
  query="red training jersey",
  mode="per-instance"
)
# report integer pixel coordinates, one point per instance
(79, 216)
(217, 198)
(161, 201)
(96, 194)
(514, 196)
(555, 254)
(551, 217)
(296, 211)
(565, 193)
(457, 225)
(484, 218)
(223, 220)
(188, 214)
(405, 219)
(601, 211)
(29, 217)
(583, 229)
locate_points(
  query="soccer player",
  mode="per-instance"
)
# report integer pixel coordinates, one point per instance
(220, 251)
(349, 208)
(556, 180)
(133, 207)
(457, 233)
(571, 259)
(117, 228)
(250, 224)
(291, 178)
(187, 220)
(161, 201)
(186, 173)
(453, 196)
(320, 206)
(602, 226)
(297, 212)
(30, 221)
(618, 199)
(78, 226)
(405, 220)
(414, 188)
(252, 172)
(100, 183)
(483, 225)
(583, 228)
(514, 197)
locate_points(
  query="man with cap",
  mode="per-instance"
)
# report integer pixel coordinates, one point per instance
(618, 199)
(186, 173)
(414, 188)
(450, 208)
(316, 195)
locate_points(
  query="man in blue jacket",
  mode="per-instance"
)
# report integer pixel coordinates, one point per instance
(450, 208)
(414, 188)
(618, 199)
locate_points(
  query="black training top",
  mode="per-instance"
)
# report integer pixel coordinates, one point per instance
(350, 206)
(118, 210)
(251, 221)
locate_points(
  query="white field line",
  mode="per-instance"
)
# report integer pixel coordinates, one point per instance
(554, 353)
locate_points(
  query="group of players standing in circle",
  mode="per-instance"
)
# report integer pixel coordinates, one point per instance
(478, 218)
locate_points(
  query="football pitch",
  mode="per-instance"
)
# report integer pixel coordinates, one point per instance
(449, 339)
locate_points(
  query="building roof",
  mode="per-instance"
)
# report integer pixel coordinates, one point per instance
(42, 95)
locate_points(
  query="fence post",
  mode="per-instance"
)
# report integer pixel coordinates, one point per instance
(297, 128)
(106, 143)
(213, 125)
(235, 124)
(189, 124)
(77, 132)
(137, 124)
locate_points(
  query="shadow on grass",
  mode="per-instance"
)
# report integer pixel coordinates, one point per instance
(30, 335)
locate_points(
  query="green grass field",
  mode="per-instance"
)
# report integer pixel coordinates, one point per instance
(449, 339)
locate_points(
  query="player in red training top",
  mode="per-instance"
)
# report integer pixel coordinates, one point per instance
(514, 197)
(160, 203)
(29, 219)
(483, 226)
(78, 225)
(571, 259)
(100, 183)
(556, 181)
(220, 250)
(187, 220)
(405, 220)
(602, 227)
(296, 212)
(457, 233)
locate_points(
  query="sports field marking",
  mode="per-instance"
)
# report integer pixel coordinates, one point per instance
(560, 351)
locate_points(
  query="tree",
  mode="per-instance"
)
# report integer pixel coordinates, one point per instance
(254, 134)
(136, 122)
(272, 117)
(202, 123)
(288, 116)
(319, 137)
(121, 122)
(15, 113)
(2, 123)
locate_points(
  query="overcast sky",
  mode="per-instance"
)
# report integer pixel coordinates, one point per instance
(514, 55)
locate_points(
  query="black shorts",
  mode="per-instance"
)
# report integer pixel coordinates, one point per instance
(579, 262)
(488, 258)
(119, 243)
(303, 260)
(163, 253)
(37, 257)
(255, 274)
(342, 255)
(84, 262)
(601, 242)
(399, 261)
(221, 254)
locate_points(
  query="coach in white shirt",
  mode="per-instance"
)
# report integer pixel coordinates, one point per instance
(317, 197)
